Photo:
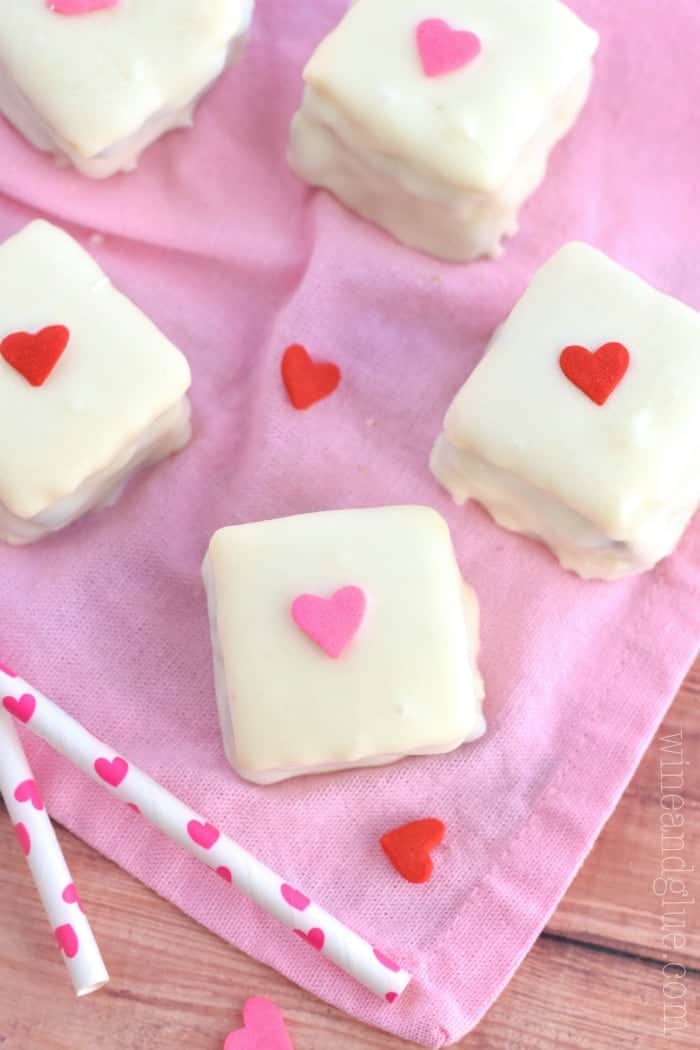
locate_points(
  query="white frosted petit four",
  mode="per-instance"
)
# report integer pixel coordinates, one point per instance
(435, 118)
(341, 639)
(97, 81)
(90, 390)
(581, 424)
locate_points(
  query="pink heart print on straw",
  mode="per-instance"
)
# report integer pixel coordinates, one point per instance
(319, 930)
(79, 7)
(38, 842)
(443, 49)
(331, 622)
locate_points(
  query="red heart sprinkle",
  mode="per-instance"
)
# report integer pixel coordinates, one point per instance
(35, 356)
(409, 848)
(307, 381)
(596, 373)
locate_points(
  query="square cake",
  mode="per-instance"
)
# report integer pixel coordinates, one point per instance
(345, 638)
(435, 118)
(97, 81)
(90, 390)
(581, 424)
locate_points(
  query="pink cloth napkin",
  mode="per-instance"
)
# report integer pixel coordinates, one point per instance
(235, 259)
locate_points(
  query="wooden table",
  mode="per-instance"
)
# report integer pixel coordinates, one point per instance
(594, 980)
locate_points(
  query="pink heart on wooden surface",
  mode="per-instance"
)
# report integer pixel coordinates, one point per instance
(24, 839)
(386, 961)
(264, 1028)
(70, 896)
(204, 835)
(28, 791)
(22, 708)
(294, 898)
(331, 622)
(79, 7)
(112, 772)
(443, 49)
(67, 940)
(225, 874)
(316, 938)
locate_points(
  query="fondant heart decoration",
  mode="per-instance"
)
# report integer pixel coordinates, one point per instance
(307, 381)
(70, 896)
(331, 622)
(204, 835)
(113, 772)
(316, 938)
(443, 49)
(596, 373)
(264, 1028)
(24, 839)
(28, 791)
(79, 7)
(35, 356)
(67, 940)
(294, 898)
(21, 708)
(409, 848)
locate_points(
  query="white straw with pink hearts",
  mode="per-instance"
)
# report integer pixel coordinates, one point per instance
(321, 931)
(47, 864)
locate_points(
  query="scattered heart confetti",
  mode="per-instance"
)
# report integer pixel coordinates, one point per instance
(443, 49)
(409, 848)
(67, 940)
(22, 708)
(294, 898)
(331, 622)
(204, 835)
(79, 7)
(113, 772)
(316, 938)
(596, 373)
(307, 381)
(35, 356)
(24, 839)
(264, 1028)
(28, 791)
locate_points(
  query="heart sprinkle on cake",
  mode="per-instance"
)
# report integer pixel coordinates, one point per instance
(443, 49)
(79, 7)
(35, 356)
(331, 622)
(597, 373)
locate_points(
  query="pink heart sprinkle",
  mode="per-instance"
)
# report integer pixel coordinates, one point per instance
(295, 898)
(23, 838)
(331, 622)
(391, 997)
(28, 791)
(443, 49)
(113, 772)
(225, 874)
(79, 7)
(386, 961)
(264, 1028)
(6, 670)
(316, 938)
(70, 896)
(204, 835)
(67, 940)
(22, 708)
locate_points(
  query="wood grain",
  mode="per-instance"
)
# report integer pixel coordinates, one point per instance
(594, 980)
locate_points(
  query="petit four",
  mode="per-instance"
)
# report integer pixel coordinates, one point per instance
(90, 390)
(341, 639)
(581, 424)
(97, 81)
(435, 118)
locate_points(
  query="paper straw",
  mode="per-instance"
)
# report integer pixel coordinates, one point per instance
(47, 864)
(321, 931)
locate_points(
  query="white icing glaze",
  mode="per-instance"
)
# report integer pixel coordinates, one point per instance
(408, 684)
(115, 399)
(105, 86)
(609, 488)
(443, 163)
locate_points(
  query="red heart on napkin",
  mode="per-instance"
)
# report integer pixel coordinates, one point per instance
(264, 1028)
(596, 373)
(35, 356)
(443, 49)
(409, 848)
(307, 381)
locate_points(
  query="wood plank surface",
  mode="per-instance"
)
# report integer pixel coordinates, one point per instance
(594, 981)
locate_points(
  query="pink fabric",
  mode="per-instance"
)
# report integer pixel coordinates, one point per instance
(235, 260)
